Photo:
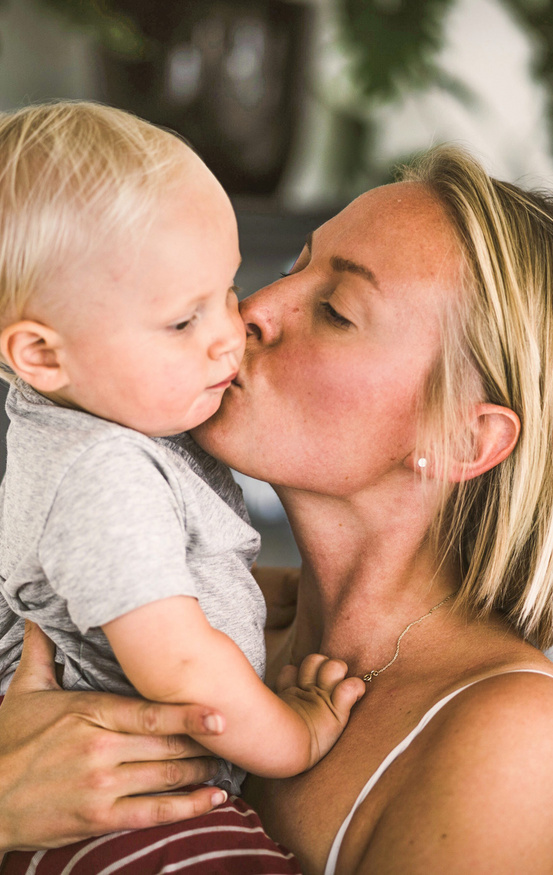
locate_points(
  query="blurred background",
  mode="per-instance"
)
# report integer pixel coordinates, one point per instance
(299, 105)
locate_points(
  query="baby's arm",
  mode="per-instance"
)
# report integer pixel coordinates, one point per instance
(170, 653)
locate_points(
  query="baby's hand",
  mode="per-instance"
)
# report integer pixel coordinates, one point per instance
(320, 693)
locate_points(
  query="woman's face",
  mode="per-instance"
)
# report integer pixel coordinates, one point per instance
(338, 351)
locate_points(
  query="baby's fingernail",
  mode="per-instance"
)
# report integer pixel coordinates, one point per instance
(214, 723)
(219, 797)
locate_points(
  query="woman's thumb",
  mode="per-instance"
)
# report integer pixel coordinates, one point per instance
(36, 670)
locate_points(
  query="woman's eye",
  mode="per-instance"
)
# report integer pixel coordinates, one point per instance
(297, 265)
(333, 316)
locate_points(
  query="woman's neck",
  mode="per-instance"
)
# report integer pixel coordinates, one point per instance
(367, 571)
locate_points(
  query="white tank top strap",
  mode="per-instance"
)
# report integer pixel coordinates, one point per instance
(330, 867)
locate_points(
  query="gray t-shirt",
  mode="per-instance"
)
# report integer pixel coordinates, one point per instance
(97, 520)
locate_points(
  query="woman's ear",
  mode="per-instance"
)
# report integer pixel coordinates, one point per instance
(33, 352)
(494, 432)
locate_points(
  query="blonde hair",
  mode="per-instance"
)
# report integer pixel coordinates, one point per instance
(73, 175)
(497, 347)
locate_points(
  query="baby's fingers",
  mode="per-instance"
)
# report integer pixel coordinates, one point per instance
(323, 672)
(346, 694)
(287, 677)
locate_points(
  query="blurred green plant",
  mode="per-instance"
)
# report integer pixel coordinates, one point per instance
(395, 40)
(536, 17)
(394, 46)
(111, 23)
(394, 43)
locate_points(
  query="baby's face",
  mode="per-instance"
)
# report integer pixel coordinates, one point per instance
(154, 336)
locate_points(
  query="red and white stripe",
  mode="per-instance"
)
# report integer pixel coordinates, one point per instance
(227, 841)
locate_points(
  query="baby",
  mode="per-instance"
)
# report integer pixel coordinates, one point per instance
(120, 330)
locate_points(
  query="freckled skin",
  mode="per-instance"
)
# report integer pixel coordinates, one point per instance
(332, 406)
(325, 408)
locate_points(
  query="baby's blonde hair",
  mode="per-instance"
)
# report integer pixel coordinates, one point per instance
(72, 176)
(498, 348)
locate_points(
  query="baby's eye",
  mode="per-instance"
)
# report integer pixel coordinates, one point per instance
(333, 316)
(184, 325)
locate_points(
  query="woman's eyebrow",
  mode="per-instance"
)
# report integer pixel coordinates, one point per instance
(342, 265)
(345, 265)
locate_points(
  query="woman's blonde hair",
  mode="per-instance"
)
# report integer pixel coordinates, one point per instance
(498, 348)
(73, 175)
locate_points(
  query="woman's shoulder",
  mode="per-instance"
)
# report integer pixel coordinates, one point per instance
(479, 785)
(504, 697)
(508, 713)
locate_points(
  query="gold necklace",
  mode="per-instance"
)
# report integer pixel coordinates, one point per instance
(376, 671)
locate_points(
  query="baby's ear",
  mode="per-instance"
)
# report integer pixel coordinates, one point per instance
(32, 351)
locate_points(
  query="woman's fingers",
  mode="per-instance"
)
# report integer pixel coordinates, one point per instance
(77, 764)
(36, 672)
(103, 747)
(140, 748)
(140, 717)
(146, 811)
(161, 777)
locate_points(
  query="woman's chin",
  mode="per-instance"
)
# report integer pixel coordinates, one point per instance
(209, 434)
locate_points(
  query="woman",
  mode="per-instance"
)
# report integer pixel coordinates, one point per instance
(397, 392)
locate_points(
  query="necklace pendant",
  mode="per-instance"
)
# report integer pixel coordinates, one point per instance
(368, 677)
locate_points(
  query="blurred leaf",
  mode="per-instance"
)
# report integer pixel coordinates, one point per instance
(536, 17)
(394, 43)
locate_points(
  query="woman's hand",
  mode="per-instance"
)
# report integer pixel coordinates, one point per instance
(76, 764)
(280, 591)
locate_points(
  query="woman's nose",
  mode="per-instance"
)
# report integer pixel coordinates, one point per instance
(261, 315)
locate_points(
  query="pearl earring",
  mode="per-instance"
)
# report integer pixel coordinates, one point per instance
(422, 462)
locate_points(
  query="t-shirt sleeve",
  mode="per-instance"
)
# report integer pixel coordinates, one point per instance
(115, 537)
